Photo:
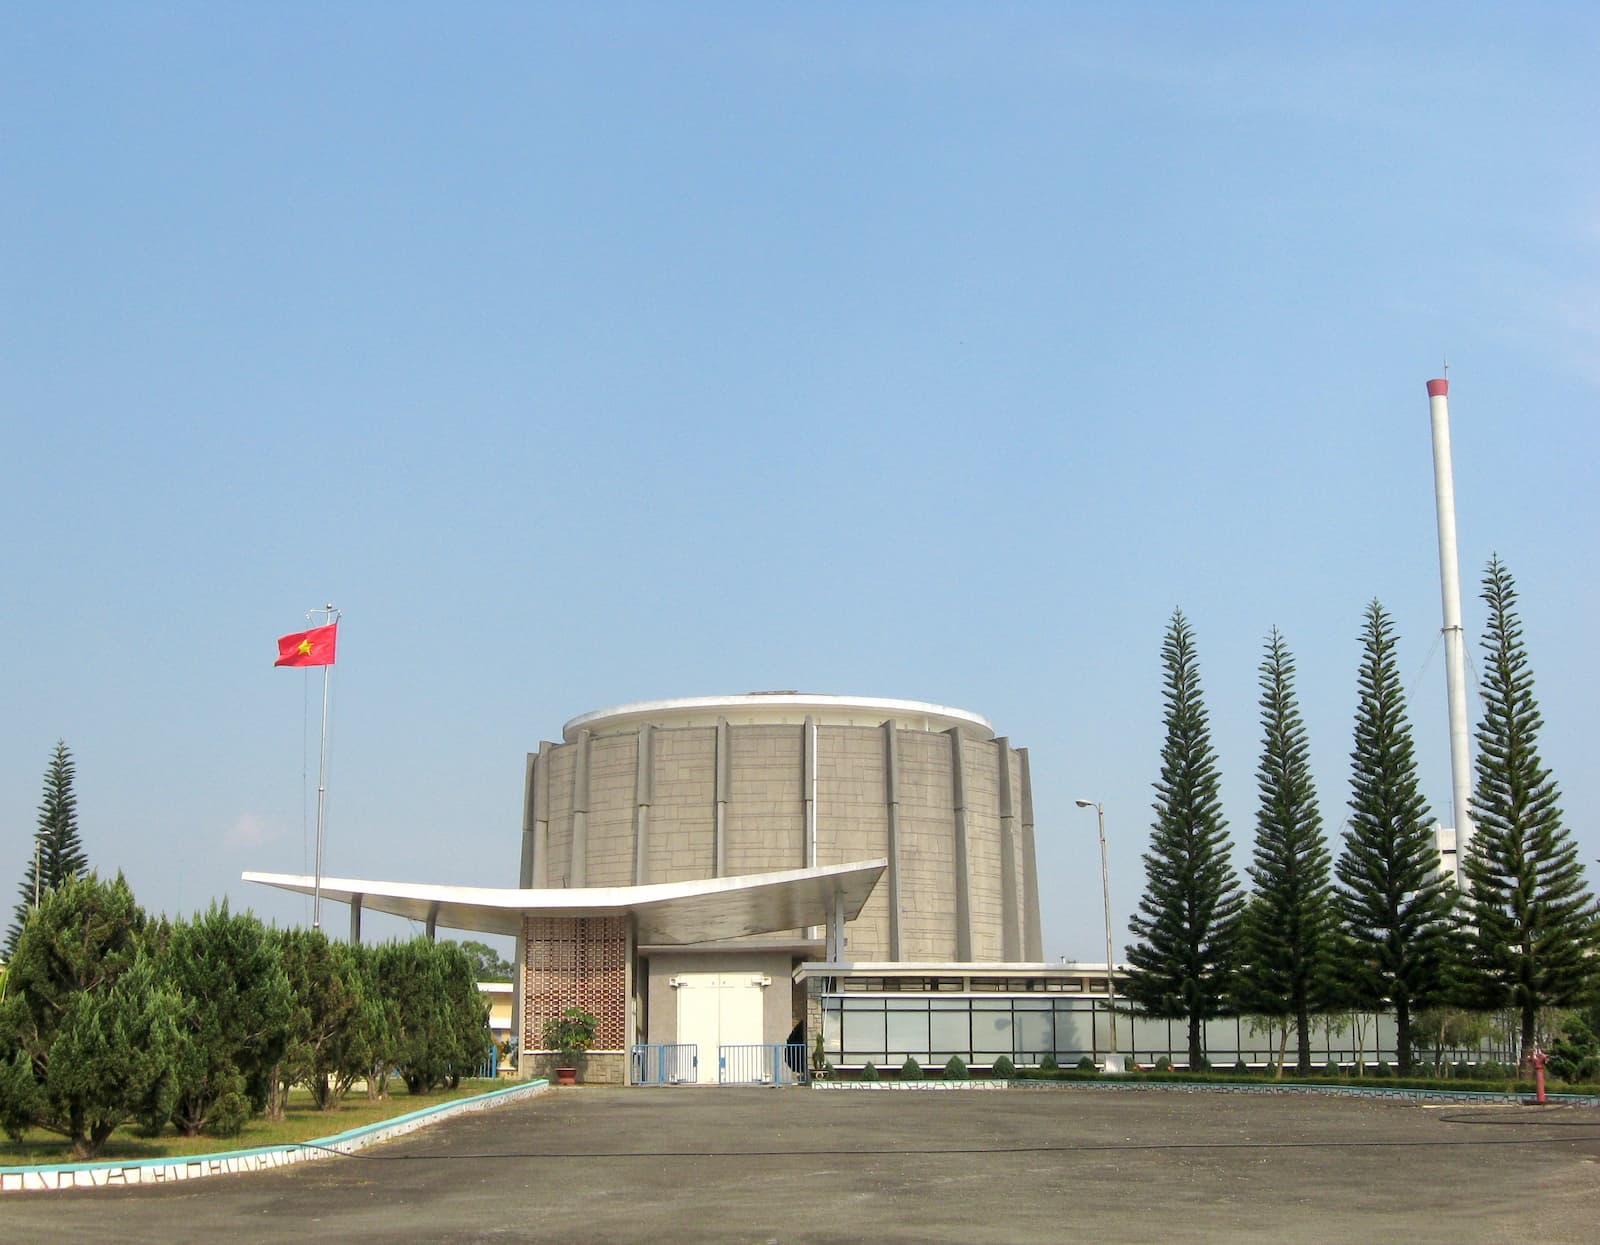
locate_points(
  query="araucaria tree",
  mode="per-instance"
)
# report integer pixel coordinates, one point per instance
(60, 856)
(1286, 942)
(1533, 921)
(1187, 920)
(1394, 902)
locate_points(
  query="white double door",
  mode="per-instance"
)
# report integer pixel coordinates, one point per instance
(717, 1010)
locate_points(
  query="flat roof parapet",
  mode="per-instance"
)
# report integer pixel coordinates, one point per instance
(766, 708)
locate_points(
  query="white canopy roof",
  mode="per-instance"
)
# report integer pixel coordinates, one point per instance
(704, 910)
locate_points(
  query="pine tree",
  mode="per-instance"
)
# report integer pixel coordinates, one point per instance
(1187, 920)
(1286, 937)
(1395, 902)
(1533, 919)
(60, 856)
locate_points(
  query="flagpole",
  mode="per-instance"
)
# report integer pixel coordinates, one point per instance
(331, 616)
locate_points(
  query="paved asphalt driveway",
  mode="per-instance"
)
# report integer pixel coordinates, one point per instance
(664, 1165)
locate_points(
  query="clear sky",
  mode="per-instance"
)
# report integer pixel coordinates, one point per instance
(590, 354)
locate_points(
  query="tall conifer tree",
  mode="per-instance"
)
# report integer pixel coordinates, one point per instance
(60, 856)
(1287, 933)
(1187, 920)
(1395, 901)
(1533, 921)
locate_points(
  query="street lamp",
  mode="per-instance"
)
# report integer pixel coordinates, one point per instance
(1105, 886)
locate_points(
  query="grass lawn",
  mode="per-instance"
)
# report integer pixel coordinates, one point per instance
(302, 1122)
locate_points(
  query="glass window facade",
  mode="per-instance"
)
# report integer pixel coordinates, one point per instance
(884, 1029)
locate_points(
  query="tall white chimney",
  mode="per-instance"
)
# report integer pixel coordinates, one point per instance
(1455, 643)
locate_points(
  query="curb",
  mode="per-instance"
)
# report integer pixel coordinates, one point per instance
(1218, 1087)
(910, 1086)
(126, 1173)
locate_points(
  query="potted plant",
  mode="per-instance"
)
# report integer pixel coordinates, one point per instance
(570, 1034)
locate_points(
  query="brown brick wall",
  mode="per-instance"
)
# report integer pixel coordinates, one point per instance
(576, 962)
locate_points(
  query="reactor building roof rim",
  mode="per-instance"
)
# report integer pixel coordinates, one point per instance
(764, 706)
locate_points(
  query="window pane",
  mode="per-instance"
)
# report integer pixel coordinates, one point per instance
(1072, 1034)
(948, 1031)
(863, 1035)
(991, 1036)
(1035, 1034)
(908, 1034)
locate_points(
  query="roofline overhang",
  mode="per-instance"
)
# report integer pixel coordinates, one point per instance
(671, 913)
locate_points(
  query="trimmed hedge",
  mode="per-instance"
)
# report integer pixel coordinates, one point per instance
(1461, 1084)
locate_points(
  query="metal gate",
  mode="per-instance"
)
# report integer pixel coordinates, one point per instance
(664, 1063)
(768, 1063)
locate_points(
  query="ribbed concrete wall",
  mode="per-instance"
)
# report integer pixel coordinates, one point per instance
(949, 808)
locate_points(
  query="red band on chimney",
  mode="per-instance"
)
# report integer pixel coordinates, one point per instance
(1438, 388)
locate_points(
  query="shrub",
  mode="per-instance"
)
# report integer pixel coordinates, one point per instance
(1048, 1063)
(1164, 1064)
(1240, 1067)
(1085, 1064)
(869, 1072)
(955, 1069)
(910, 1070)
(572, 1032)
(1382, 1070)
(1575, 1054)
(1003, 1069)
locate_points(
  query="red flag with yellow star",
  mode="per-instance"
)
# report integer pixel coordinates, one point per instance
(308, 648)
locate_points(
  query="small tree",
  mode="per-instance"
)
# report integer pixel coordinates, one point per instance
(336, 1022)
(1187, 920)
(487, 963)
(87, 1028)
(235, 1025)
(571, 1033)
(58, 856)
(1533, 927)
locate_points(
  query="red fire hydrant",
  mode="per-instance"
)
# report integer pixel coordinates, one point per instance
(1539, 1058)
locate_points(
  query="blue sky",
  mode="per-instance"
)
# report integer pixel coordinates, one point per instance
(584, 355)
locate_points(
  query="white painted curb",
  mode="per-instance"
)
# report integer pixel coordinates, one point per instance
(121, 1174)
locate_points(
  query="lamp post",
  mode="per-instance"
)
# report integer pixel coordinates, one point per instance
(1105, 886)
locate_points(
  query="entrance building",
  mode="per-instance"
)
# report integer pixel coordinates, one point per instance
(685, 863)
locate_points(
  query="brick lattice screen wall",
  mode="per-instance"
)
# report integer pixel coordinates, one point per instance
(576, 962)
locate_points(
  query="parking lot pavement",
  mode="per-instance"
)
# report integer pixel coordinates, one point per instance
(760, 1165)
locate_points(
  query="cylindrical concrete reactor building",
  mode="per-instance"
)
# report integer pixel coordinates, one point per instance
(724, 786)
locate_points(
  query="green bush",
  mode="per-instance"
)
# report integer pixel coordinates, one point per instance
(910, 1070)
(955, 1069)
(1241, 1068)
(1164, 1064)
(1003, 1069)
(1382, 1070)
(869, 1072)
(1085, 1064)
(1048, 1063)
(1575, 1055)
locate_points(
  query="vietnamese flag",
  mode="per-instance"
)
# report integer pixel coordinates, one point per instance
(308, 648)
